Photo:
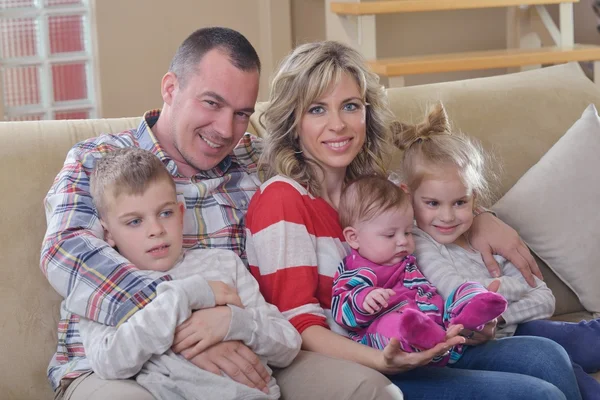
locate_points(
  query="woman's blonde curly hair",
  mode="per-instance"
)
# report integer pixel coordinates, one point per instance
(303, 77)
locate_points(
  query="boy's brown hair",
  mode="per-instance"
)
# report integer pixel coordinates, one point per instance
(128, 170)
(367, 197)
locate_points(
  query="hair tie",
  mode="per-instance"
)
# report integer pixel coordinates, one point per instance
(418, 139)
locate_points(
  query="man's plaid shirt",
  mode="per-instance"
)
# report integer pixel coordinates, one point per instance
(98, 283)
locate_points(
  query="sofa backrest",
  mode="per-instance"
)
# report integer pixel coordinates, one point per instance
(517, 117)
(31, 155)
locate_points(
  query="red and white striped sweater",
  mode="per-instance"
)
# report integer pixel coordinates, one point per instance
(294, 245)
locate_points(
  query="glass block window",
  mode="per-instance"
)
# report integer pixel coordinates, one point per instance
(46, 65)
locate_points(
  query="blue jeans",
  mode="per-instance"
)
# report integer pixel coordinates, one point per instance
(516, 368)
(582, 343)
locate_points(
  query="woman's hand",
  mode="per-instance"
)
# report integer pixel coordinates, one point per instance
(489, 235)
(394, 360)
(203, 329)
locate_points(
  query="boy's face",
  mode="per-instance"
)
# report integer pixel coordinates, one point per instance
(385, 239)
(147, 229)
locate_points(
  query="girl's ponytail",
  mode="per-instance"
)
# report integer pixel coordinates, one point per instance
(435, 123)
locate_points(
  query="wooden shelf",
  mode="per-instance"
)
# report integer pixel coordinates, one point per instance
(479, 60)
(408, 6)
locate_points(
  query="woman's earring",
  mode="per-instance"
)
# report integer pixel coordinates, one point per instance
(298, 152)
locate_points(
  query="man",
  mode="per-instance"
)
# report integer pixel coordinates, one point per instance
(209, 94)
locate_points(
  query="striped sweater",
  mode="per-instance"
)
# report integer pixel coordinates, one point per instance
(294, 244)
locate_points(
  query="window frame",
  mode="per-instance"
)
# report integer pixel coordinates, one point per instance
(48, 108)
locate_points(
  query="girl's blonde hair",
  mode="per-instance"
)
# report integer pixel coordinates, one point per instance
(431, 145)
(303, 77)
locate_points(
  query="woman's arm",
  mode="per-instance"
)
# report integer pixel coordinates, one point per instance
(391, 360)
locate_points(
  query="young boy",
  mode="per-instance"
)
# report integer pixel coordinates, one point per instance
(137, 203)
(379, 292)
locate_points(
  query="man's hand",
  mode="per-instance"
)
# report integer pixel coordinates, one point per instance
(225, 294)
(236, 361)
(200, 331)
(376, 299)
(395, 360)
(489, 236)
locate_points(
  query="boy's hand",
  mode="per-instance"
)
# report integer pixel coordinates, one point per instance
(376, 299)
(225, 294)
(203, 329)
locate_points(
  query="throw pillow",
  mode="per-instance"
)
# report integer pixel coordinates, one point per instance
(554, 207)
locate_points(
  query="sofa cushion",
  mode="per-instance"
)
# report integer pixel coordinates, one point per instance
(554, 208)
(31, 155)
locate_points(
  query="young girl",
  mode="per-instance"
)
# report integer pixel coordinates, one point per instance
(379, 292)
(445, 173)
(327, 124)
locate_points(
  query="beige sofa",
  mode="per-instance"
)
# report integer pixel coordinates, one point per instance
(519, 115)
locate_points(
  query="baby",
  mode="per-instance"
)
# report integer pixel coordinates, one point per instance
(379, 292)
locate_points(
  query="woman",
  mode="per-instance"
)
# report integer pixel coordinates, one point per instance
(327, 124)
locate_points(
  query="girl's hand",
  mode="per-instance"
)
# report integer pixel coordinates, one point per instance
(394, 360)
(475, 338)
(377, 299)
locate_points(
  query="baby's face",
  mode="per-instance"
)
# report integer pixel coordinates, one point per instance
(147, 229)
(387, 238)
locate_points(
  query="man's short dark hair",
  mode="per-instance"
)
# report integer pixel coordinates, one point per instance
(241, 53)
